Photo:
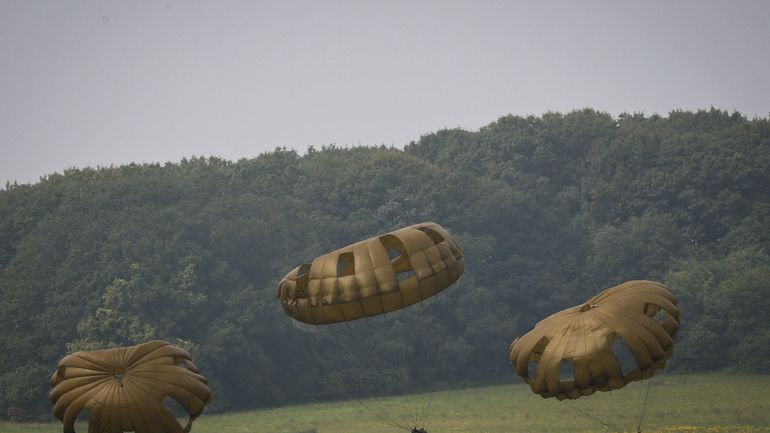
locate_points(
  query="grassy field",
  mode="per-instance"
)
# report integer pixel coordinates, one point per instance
(713, 403)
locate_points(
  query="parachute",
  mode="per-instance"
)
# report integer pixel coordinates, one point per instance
(372, 277)
(622, 334)
(367, 280)
(123, 388)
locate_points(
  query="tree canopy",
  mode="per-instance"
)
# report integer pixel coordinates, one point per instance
(549, 210)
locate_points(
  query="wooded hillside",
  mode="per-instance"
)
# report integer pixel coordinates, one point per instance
(549, 210)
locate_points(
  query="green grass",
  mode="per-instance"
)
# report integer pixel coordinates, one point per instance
(713, 403)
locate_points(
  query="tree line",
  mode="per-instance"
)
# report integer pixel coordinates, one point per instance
(549, 210)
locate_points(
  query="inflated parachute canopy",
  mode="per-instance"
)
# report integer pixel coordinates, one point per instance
(623, 334)
(123, 389)
(374, 276)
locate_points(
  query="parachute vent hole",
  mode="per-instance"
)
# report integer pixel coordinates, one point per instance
(394, 247)
(345, 265)
(540, 347)
(434, 235)
(174, 407)
(534, 357)
(403, 275)
(531, 369)
(624, 356)
(566, 371)
(83, 416)
(303, 273)
(398, 258)
(393, 254)
(660, 316)
(655, 312)
(182, 363)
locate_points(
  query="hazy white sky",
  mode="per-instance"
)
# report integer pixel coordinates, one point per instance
(87, 83)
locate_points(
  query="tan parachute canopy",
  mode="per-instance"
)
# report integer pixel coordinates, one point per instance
(624, 333)
(123, 388)
(374, 276)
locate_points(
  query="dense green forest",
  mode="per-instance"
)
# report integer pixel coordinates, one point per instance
(549, 210)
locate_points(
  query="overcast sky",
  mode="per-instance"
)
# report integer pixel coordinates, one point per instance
(87, 83)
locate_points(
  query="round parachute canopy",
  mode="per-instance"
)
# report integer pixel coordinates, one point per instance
(622, 334)
(374, 276)
(123, 389)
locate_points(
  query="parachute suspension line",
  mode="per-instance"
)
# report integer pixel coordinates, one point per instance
(382, 418)
(643, 413)
(425, 410)
(593, 417)
(420, 409)
(587, 414)
(345, 319)
(382, 415)
(415, 409)
(644, 391)
(368, 403)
